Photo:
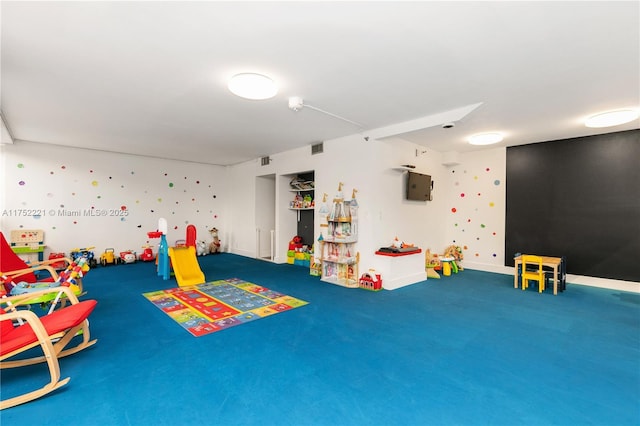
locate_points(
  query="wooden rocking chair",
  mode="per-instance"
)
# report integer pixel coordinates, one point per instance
(52, 332)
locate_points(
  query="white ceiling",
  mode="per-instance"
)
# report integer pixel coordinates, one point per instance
(149, 78)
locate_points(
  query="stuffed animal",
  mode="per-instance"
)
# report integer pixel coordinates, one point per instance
(214, 247)
(201, 248)
(453, 251)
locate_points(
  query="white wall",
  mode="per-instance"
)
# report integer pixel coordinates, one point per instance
(64, 191)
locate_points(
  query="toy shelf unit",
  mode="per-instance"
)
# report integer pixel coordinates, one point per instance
(303, 198)
(338, 255)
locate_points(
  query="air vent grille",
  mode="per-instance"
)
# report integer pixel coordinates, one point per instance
(317, 148)
(265, 161)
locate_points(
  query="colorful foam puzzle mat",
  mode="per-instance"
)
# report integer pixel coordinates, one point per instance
(210, 307)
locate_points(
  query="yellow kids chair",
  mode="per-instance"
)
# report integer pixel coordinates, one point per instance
(529, 273)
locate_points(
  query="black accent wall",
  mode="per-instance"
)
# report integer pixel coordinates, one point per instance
(578, 198)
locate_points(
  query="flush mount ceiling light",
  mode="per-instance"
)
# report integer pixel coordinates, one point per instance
(611, 118)
(485, 138)
(252, 86)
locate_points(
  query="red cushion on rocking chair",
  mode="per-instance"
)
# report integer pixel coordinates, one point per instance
(57, 321)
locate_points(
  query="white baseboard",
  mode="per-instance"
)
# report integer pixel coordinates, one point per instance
(630, 286)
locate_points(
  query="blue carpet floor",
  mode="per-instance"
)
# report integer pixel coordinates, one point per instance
(464, 350)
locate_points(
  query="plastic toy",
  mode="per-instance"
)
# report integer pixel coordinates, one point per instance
(370, 280)
(163, 251)
(214, 247)
(128, 256)
(108, 257)
(58, 266)
(147, 254)
(87, 253)
(185, 262)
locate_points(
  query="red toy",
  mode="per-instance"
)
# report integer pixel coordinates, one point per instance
(58, 266)
(147, 254)
(128, 256)
(370, 281)
(296, 243)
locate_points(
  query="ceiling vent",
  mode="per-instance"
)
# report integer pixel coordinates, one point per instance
(265, 161)
(317, 148)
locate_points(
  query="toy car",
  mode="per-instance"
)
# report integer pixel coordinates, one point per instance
(147, 254)
(86, 253)
(108, 257)
(128, 256)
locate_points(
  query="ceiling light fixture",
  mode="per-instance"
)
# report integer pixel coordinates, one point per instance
(485, 138)
(612, 118)
(252, 86)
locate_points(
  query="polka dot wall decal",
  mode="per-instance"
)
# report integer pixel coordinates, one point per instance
(159, 200)
(491, 204)
(133, 173)
(94, 183)
(63, 167)
(487, 169)
(165, 174)
(110, 177)
(494, 255)
(215, 196)
(123, 208)
(496, 182)
(122, 219)
(175, 227)
(20, 166)
(493, 233)
(90, 171)
(475, 178)
(51, 172)
(453, 210)
(139, 226)
(468, 220)
(170, 184)
(198, 182)
(477, 255)
(462, 195)
(482, 225)
(465, 247)
(75, 223)
(479, 194)
(22, 183)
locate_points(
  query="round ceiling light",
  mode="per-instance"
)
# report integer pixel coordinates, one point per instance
(485, 138)
(612, 118)
(252, 86)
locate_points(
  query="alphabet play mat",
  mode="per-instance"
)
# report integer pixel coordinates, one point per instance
(210, 307)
